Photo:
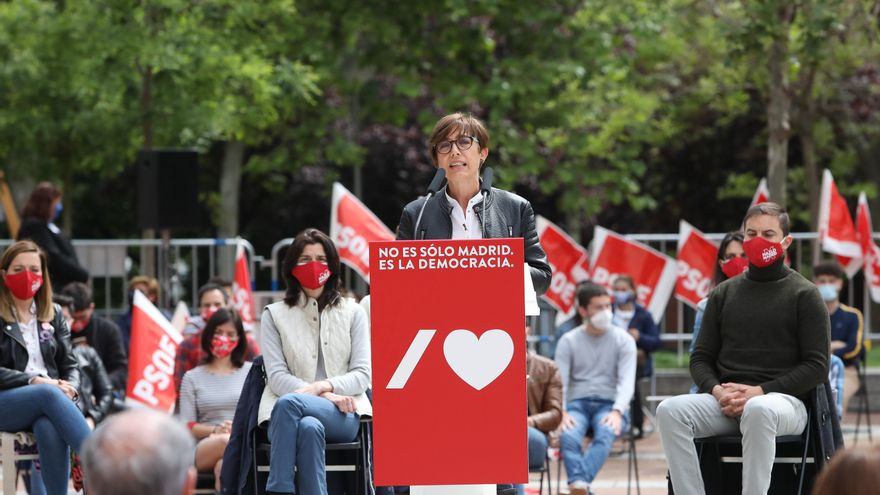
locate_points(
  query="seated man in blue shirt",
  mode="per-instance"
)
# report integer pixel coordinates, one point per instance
(847, 325)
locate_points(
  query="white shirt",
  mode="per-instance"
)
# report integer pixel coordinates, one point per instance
(30, 332)
(465, 224)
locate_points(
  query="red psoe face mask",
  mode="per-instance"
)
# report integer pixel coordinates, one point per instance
(222, 346)
(23, 285)
(735, 266)
(80, 325)
(312, 275)
(207, 313)
(762, 252)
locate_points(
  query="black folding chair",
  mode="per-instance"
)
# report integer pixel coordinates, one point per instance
(864, 402)
(358, 459)
(793, 450)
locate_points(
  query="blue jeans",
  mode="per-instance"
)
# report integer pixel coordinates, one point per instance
(587, 414)
(56, 422)
(299, 429)
(537, 453)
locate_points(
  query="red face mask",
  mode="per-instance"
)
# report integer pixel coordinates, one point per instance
(735, 266)
(762, 252)
(207, 313)
(312, 275)
(23, 285)
(222, 346)
(80, 325)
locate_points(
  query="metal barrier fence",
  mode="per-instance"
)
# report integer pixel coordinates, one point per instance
(182, 266)
(185, 264)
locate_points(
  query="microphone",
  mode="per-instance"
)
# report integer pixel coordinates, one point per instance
(437, 181)
(485, 187)
(436, 184)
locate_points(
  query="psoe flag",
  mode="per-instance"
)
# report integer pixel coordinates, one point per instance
(837, 233)
(870, 250)
(565, 257)
(352, 227)
(695, 264)
(762, 193)
(242, 295)
(654, 273)
(151, 358)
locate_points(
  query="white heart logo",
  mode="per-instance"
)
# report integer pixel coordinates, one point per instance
(478, 361)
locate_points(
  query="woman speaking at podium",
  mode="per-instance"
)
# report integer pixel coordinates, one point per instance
(466, 207)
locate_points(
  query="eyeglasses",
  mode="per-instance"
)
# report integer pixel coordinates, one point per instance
(463, 142)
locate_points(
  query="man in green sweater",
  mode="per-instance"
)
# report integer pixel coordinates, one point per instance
(764, 345)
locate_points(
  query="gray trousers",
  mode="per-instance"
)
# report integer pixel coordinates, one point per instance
(685, 417)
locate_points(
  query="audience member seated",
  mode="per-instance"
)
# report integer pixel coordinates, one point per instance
(190, 354)
(639, 323)
(209, 392)
(95, 389)
(317, 355)
(39, 377)
(38, 219)
(544, 389)
(597, 363)
(139, 452)
(847, 325)
(98, 332)
(763, 348)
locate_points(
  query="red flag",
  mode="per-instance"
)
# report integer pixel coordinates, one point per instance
(870, 250)
(654, 272)
(242, 295)
(762, 194)
(151, 357)
(837, 232)
(566, 258)
(352, 227)
(695, 264)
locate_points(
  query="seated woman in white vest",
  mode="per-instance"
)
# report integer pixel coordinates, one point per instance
(317, 357)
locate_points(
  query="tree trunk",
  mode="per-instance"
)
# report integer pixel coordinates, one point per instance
(778, 108)
(148, 255)
(230, 191)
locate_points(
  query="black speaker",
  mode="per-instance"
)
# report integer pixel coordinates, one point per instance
(168, 189)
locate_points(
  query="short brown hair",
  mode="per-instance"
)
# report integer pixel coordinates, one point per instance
(43, 297)
(850, 471)
(152, 284)
(465, 123)
(830, 267)
(772, 209)
(587, 291)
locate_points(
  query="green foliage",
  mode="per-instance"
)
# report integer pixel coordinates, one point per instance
(586, 102)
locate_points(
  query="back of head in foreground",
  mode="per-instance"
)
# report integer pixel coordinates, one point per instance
(145, 451)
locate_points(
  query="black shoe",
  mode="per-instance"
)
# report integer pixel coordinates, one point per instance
(507, 491)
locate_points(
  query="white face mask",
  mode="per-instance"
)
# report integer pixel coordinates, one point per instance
(602, 319)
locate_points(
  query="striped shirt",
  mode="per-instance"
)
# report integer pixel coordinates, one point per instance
(209, 398)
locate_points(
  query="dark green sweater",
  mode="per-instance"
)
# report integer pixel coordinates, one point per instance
(768, 327)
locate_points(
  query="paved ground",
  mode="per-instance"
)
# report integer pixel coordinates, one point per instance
(612, 479)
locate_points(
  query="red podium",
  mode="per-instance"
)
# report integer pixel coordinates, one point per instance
(448, 355)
